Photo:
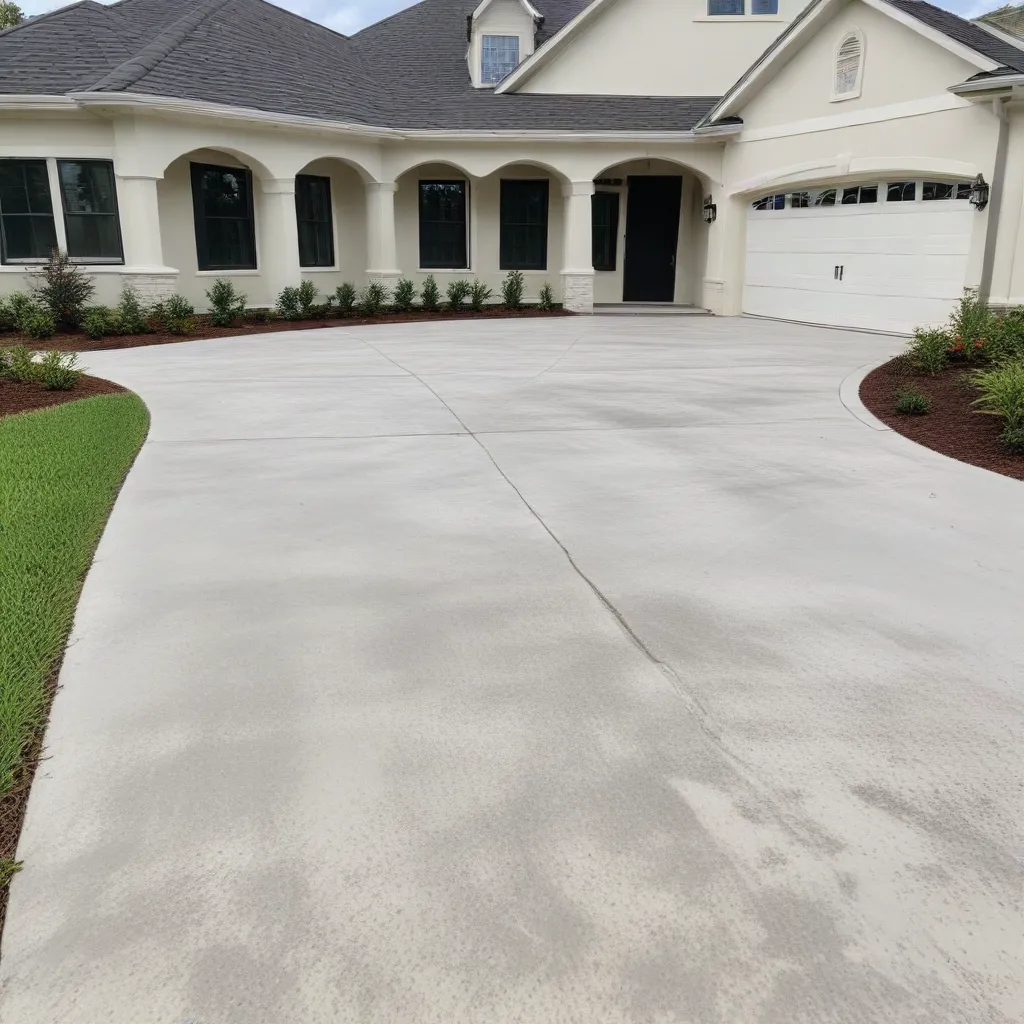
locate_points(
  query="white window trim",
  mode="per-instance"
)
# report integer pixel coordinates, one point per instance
(854, 93)
(484, 36)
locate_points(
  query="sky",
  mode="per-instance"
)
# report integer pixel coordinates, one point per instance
(351, 15)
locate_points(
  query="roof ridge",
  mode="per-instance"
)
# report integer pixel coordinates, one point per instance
(161, 47)
(35, 19)
(386, 18)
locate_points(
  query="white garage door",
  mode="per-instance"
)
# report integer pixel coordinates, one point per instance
(886, 257)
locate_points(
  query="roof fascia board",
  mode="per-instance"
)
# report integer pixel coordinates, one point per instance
(196, 108)
(35, 101)
(736, 96)
(553, 46)
(1001, 83)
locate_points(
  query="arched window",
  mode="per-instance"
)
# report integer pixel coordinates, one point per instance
(849, 66)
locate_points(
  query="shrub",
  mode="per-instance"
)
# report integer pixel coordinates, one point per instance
(62, 288)
(39, 324)
(512, 289)
(479, 293)
(177, 315)
(20, 366)
(911, 402)
(260, 315)
(59, 371)
(320, 311)
(1002, 392)
(430, 299)
(99, 321)
(133, 318)
(929, 350)
(227, 304)
(20, 305)
(1013, 440)
(457, 293)
(546, 299)
(1005, 338)
(345, 298)
(8, 321)
(288, 304)
(374, 298)
(970, 326)
(405, 295)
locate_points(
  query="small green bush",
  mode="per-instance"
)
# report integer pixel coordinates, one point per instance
(63, 289)
(259, 315)
(479, 293)
(99, 321)
(227, 304)
(374, 298)
(430, 298)
(320, 311)
(177, 315)
(405, 295)
(132, 315)
(39, 324)
(304, 300)
(1002, 392)
(970, 326)
(1013, 440)
(59, 371)
(457, 293)
(20, 365)
(512, 289)
(911, 402)
(345, 298)
(287, 304)
(929, 350)
(8, 321)
(546, 299)
(1006, 337)
(20, 305)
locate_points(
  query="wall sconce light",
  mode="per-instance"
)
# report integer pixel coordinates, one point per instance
(979, 193)
(710, 211)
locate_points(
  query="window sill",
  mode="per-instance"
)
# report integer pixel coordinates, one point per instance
(92, 268)
(445, 270)
(524, 271)
(845, 97)
(320, 270)
(228, 273)
(739, 17)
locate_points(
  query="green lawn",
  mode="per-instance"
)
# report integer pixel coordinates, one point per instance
(60, 471)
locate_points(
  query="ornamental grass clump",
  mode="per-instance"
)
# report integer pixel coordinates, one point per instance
(1001, 393)
(911, 402)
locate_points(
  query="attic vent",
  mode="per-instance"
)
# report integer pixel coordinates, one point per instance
(849, 65)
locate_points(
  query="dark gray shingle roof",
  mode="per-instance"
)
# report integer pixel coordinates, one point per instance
(407, 71)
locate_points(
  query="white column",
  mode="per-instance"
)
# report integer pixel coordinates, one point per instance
(726, 256)
(578, 258)
(278, 240)
(139, 214)
(381, 244)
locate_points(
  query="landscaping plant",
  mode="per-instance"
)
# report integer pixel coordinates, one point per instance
(20, 365)
(132, 316)
(374, 298)
(177, 315)
(1005, 338)
(21, 305)
(479, 293)
(287, 304)
(458, 292)
(8, 321)
(512, 289)
(546, 299)
(227, 304)
(59, 371)
(99, 321)
(430, 299)
(405, 295)
(1002, 393)
(929, 350)
(970, 325)
(911, 402)
(39, 324)
(1013, 440)
(63, 289)
(345, 298)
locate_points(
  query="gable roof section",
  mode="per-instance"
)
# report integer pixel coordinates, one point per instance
(980, 48)
(406, 72)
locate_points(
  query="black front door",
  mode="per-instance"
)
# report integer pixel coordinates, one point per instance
(652, 232)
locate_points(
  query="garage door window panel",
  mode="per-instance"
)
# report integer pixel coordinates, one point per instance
(857, 194)
(932, 191)
(901, 191)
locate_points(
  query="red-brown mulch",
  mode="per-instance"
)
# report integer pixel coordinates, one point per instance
(79, 342)
(16, 397)
(952, 426)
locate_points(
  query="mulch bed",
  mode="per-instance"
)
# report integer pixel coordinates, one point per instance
(80, 343)
(16, 397)
(952, 426)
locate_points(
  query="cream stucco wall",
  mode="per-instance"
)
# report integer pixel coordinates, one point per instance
(659, 48)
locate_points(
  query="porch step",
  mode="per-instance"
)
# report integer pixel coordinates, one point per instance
(647, 309)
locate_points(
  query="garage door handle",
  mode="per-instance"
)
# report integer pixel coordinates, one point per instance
(837, 273)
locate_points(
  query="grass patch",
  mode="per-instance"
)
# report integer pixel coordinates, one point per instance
(60, 471)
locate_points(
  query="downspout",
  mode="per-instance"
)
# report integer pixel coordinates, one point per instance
(995, 200)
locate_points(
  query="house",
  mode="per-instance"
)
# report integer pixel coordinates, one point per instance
(854, 162)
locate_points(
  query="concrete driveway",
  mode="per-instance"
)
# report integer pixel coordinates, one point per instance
(538, 671)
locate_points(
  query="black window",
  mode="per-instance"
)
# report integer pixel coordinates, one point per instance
(26, 211)
(605, 229)
(89, 198)
(826, 198)
(901, 191)
(222, 201)
(860, 194)
(443, 225)
(716, 7)
(313, 213)
(524, 225)
(776, 202)
(764, 7)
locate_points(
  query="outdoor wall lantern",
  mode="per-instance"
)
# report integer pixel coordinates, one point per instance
(979, 193)
(711, 211)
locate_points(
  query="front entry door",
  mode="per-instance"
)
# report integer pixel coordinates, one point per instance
(652, 233)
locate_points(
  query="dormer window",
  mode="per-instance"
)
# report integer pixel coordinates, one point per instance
(849, 67)
(720, 8)
(499, 57)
